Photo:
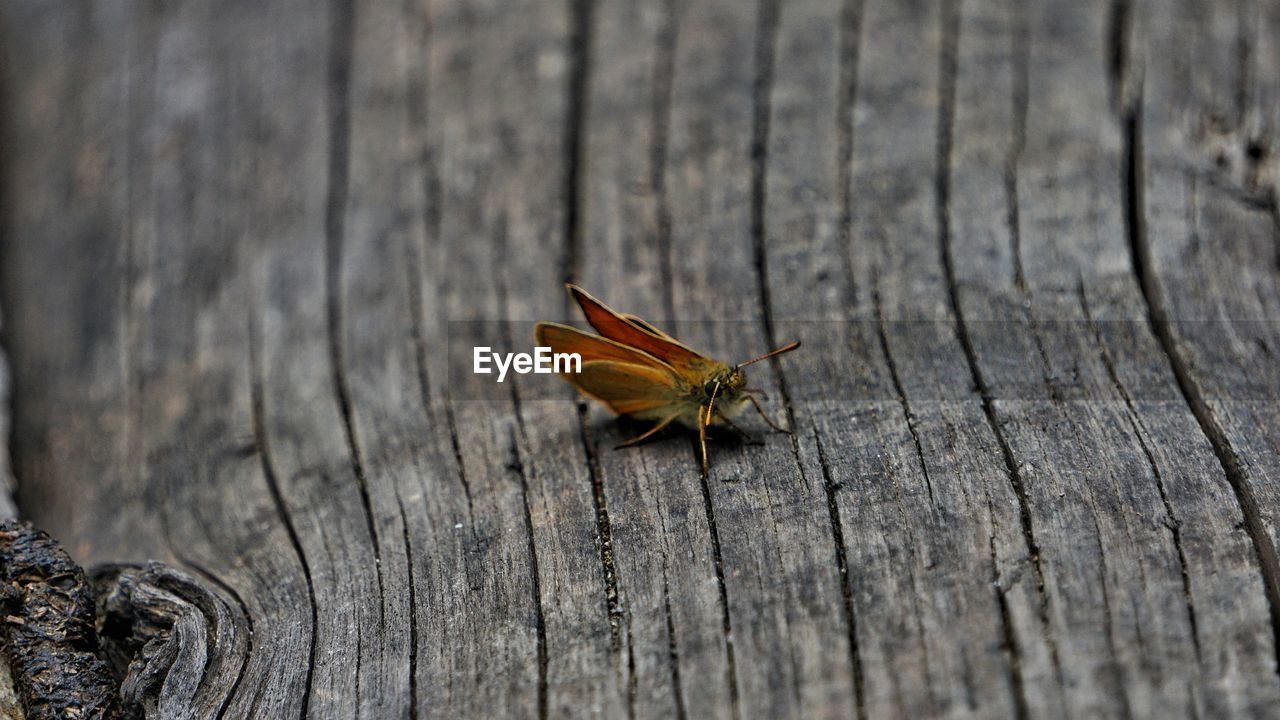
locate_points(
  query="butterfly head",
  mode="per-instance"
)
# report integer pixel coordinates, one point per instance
(729, 381)
(723, 386)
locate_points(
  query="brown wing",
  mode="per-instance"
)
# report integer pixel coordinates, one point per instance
(566, 339)
(647, 326)
(625, 388)
(624, 379)
(641, 336)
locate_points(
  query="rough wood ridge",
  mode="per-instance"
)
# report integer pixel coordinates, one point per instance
(1032, 250)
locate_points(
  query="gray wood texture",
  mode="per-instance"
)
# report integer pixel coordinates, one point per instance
(1032, 250)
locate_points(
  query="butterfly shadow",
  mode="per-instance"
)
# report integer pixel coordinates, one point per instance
(629, 430)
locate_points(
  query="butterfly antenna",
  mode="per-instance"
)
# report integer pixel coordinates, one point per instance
(784, 349)
(712, 402)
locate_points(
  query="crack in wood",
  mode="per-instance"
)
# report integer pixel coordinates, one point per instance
(731, 672)
(673, 654)
(248, 620)
(604, 532)
(946, 114)
(660, 121)
(1244, 60)
(1119, 27)
(1008, 632)
(574, 139)
(633, 680)
(762, 87)
(846, 588)
(1021, 50)
(417, 96)
(257, 411)
(517, 465)
(1140, 434)
(850, 53)
(424, 383)
(851, 18)
(343, 43)
(413, 608)
(575, 144)
(766, 41)
(901, 392)
(415, 265)
(664, 112)
(768, 23)
(912, 579)
(1108, 625)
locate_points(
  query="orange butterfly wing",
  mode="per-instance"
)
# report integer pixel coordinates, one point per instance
(626, 380)
(644, 325)
(566, 339)
(625, 389)
(641, 335)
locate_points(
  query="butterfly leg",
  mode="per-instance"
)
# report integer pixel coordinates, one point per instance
(760, 410)
(747, 437)
(645, 435)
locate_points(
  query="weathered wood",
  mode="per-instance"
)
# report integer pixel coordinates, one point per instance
(1115, 476)
(927, 519)
(176, 644)
(50, 638)
(1030, 249)
(1205, 230)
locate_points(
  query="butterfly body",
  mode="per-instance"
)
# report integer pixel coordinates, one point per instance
(692, 400)
(634, 369)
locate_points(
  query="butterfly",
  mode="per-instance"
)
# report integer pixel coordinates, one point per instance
(633, 368)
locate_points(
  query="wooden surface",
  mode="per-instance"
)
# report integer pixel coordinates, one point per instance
(1032, 249)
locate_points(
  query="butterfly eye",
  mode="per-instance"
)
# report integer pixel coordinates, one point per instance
(709, 387)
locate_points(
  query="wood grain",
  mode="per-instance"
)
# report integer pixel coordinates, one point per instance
(1114, 471)
(1030, 250)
